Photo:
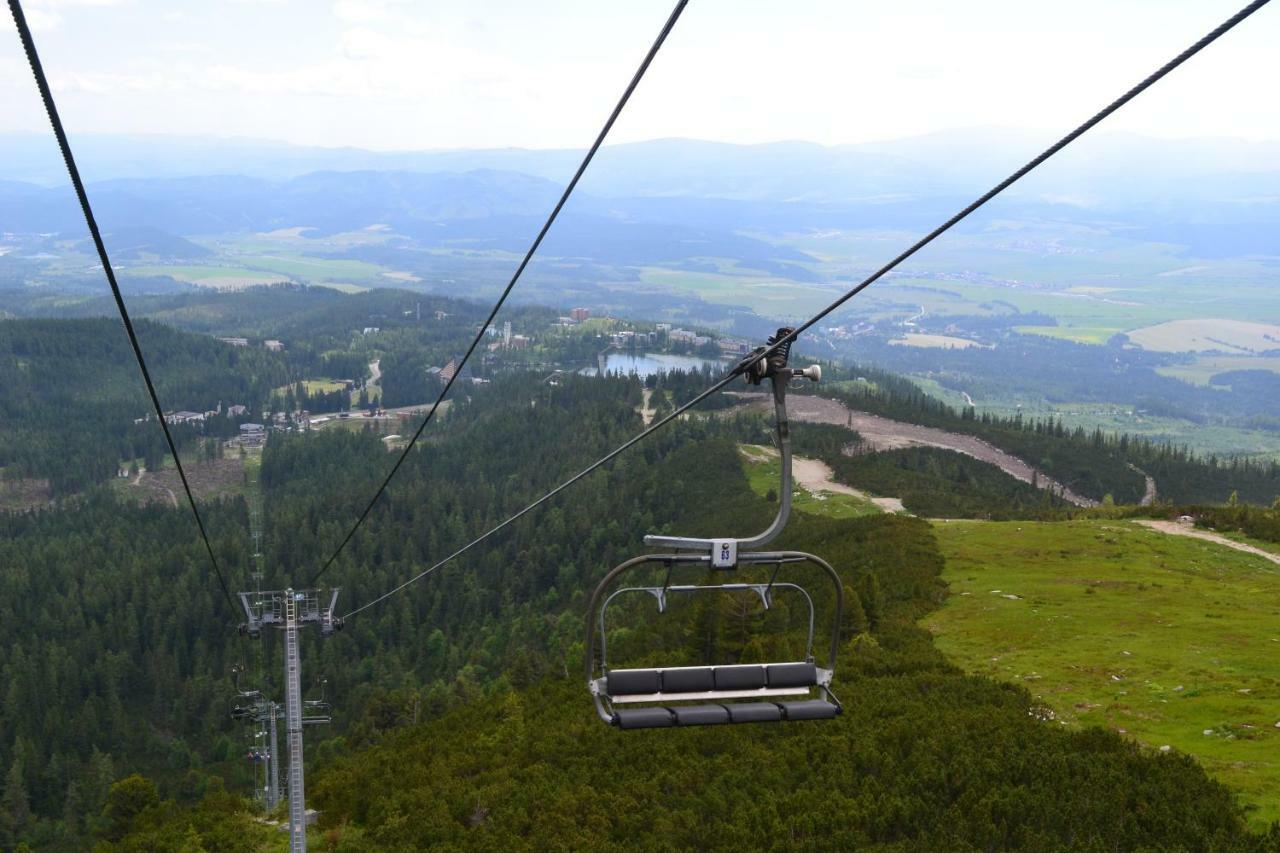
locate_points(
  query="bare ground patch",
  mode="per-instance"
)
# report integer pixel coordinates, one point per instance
(24, 493)
(212, 479)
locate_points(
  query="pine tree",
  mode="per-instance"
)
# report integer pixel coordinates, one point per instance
(15, 808)
(128, 798)
(854, 621)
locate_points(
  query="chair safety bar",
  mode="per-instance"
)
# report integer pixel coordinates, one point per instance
(710, 683)
(764, 590)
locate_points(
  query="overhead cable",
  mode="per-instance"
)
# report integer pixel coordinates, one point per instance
(28, 44)
(862, 285)
(528, 256)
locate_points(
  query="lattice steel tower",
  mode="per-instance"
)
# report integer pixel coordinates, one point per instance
(289, 610)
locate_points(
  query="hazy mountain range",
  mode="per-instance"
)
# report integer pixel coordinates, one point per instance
(1219, 197)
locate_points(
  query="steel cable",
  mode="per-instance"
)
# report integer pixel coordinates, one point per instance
(862, 285)
(528, 256)
(46, 95)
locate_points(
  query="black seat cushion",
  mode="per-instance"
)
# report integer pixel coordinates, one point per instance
(643, 718)
(792, 675)
(754, 712)
(629, 682)
(687, 680)
(812, 709)
(700, 715)
(739, 677)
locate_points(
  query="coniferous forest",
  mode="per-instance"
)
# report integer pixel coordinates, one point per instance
(461, 717)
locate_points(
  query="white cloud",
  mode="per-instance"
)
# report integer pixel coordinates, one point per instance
(45, 16)
(391, 73)
(42, 20)
(106, 83)
(365, 11)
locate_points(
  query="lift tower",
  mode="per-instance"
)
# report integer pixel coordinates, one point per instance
(289, 610)
(265, 714)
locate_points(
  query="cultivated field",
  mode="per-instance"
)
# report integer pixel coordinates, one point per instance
(1229, 336)
(1078, 334)
(1205, 367)
(1170, 640)
(211, 276)
(915, 339)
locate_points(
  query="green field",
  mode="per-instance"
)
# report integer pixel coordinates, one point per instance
(245, 270)
(317, 386)
(1078, 334)
(210, 275)
(1170, 640)
(766, 296)
(311, 267)
(763, 477)
(1204, 367)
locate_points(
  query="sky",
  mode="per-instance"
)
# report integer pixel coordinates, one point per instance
(429, 74)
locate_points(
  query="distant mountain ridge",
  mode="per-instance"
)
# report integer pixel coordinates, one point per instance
(657, 202)
(1107, 169)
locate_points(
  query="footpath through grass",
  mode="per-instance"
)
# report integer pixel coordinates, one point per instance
(1173, 641)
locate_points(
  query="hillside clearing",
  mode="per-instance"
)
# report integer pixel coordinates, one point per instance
(817, 492)
(1170, 640)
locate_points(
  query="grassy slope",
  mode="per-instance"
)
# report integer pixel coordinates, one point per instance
(1158, 636)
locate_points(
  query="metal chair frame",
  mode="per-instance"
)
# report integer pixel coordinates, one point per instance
(722, 554)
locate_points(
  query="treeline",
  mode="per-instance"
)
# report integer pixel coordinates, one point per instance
(930, 481)
(1091, 463)
(1233, 517)
(1251, 521)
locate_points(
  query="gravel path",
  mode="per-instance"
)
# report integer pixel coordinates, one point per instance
(1176, 529)
(885, 434)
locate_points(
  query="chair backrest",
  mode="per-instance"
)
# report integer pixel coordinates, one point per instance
(701, 683)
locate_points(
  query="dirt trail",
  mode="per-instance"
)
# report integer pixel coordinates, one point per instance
(816, 476)
(1177, 529)
(173, 498)
(1149, 497)
(646, 411)
(885, 434)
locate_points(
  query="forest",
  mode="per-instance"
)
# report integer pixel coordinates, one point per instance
(930, 481)
(460, 718)
(70, 394)
(115, 726)
(923, 757)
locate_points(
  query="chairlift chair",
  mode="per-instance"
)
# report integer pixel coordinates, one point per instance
(676, 696)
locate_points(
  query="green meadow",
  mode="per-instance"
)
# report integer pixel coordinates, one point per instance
(1170, 640)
